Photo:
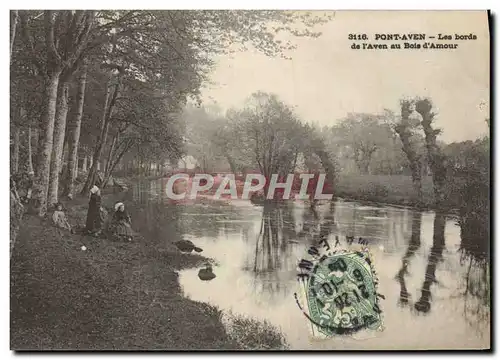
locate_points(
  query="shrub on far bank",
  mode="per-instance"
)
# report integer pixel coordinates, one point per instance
(392, 189)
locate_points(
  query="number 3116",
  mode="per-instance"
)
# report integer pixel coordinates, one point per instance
(358, 37)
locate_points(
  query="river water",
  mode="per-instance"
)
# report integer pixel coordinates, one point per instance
(257, 249)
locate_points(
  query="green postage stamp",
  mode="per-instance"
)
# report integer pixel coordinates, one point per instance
(339, 293)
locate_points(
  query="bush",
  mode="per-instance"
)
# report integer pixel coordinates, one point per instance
(375, 190)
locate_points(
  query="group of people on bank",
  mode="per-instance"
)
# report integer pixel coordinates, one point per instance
(97, 224)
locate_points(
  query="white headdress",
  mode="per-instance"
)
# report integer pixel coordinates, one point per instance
(118, 204)
(94, 189)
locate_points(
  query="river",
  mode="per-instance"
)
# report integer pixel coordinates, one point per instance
(257, 250)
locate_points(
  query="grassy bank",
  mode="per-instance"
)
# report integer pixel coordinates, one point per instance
(113, 296)
(386, 189)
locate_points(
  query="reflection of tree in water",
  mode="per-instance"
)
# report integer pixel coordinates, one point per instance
(435, 256)
(310, 219)
(474, 253)
(271, 240)
(413, 246)
(476, 286)
(438, 243)
(327, 226)
(477, 295)
(156, 221)
(272, 248)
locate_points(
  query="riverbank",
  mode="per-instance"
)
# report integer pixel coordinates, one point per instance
(112, 296)
(384, 189)
(394, 190)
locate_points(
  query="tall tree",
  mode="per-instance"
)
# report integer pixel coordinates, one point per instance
(65, 37)
(437, 164)
(407, 129)
(74, 134)
(271, 132)
(59, 132)
(13, 25)
(360, 136)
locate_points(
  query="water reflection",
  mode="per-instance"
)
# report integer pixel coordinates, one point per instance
(270, 243)
(436, 255)
(257, 249)
(413, 246)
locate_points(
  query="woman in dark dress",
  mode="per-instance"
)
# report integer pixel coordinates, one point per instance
(122, 224)
(93, 224)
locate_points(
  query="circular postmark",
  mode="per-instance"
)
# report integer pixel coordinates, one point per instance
(340, 293)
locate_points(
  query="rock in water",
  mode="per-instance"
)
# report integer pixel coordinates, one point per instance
(187, 246)
(206, 274)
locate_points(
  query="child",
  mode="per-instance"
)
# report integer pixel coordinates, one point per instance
(59, 218)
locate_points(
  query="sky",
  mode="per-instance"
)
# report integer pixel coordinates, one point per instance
(326, 79)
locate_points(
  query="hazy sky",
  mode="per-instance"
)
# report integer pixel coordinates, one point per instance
(327, 79)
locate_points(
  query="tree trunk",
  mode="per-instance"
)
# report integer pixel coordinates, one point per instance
(416, 177)
(13, 25)
(438, 168)
(414, 161)
(329, 168)
(30, 152)
(108, 108)
(57, 148)
(74, 137)
(41, 185)
(435, 156)
(117, 158)
(16, 215)
(232, 164)
(107, 168)
(84, 165)
(34, 145)
(15, 153)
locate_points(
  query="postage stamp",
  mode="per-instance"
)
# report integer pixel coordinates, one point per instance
(339, 293)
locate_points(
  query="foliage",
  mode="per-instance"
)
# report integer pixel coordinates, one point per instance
(369, 141)
(271, 132)
(159, 58)
(468, 185)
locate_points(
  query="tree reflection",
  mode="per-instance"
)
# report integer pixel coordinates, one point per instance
(277, 232)
(271, 241)
(327, 226)
(477, 295)
(438, 243)
(413, 246)
(310, 220)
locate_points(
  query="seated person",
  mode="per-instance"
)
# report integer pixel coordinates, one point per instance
(121, 225)
(59, 218)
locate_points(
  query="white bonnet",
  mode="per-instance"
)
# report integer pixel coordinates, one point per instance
(117, 205)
